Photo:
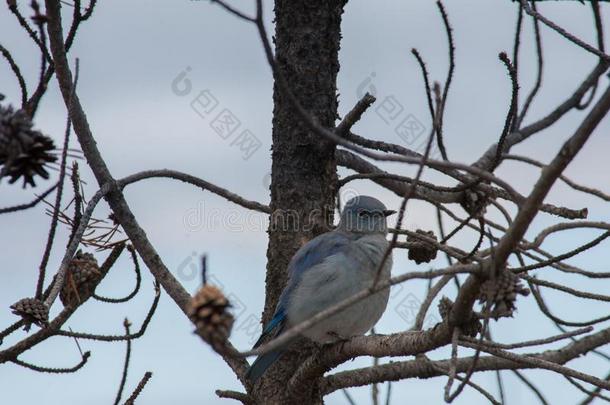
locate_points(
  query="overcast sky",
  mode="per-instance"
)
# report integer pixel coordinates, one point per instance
(130, 54)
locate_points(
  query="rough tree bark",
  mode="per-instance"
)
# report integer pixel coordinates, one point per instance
(307, 40)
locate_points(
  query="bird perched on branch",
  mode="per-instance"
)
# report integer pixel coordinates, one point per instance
(328, 269)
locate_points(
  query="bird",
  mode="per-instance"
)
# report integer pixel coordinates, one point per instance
(328, 269)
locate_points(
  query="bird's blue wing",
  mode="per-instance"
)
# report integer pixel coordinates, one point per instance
(308, 256)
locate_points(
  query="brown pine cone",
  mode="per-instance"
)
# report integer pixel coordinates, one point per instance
(81, 279)
(500, 293)
(475, 202)
(470, 328)
(444, 307)
(32, 310)
(420, 250)
(27, 152)
(208, 311)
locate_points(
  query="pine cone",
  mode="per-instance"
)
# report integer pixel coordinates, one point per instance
(444, 307)
(81, 279)
(470, 328)
(475, 203)
(422, 251)
(208, 311)
(32, 310)
(26, 150)
(501, 293)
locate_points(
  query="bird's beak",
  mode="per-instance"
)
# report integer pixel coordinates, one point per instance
(387, 213)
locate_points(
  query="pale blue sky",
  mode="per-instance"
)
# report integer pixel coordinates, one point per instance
(130, 52)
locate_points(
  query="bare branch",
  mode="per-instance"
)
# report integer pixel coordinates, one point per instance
(354, 115)
(563, 178)
(531, 386)
(117, 400)
(563, 32)
(539, 362)
(134, 292)
(238, 396)
(567, 255)
(17, 72)
(115, 198)
(31, 204)
(536, 342)
(204, 185)
(51, 370)
(540, 68)
(141, 384)
(294, 331)
(420, 368)
(60, 188)
(441, 110)
(118, 338)
(550, 173)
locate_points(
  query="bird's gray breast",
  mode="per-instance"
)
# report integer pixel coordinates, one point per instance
(337, 278)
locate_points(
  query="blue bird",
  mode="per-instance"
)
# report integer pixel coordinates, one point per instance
(328, 269)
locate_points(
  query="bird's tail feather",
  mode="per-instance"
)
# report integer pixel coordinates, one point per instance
(261, 364)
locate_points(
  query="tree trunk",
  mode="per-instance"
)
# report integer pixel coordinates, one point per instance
(303, 177)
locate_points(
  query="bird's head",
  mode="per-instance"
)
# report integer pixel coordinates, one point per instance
(364, 214)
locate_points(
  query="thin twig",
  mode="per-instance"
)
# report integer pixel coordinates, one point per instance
(348, 397)
(528, 343)
(132, 398)
(531, 386)
(441, 110)
(563, 178)
(17, 72)
(291, 333)
(31, 204)
(118, 338)
(539, 71)
(52, 370)
(60, 188)
(541, 363)
(563, 32)
(135, 290)
(119, 393)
